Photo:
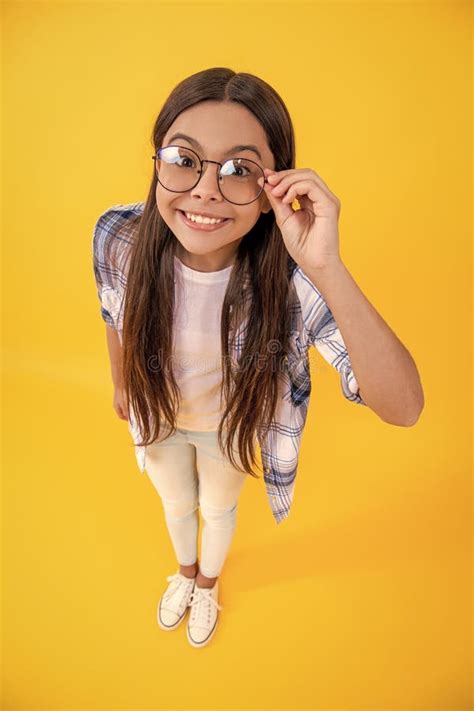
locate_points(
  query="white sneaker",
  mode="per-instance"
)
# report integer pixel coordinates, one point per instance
(175, 601)
(203, 618)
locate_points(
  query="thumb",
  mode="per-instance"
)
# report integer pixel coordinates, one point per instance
(282, 210)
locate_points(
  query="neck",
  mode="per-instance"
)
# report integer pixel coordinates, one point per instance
(214, 262)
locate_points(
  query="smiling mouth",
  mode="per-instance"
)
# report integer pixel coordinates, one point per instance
(206, 227)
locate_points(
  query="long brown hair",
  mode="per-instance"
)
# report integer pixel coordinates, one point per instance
(257, 292)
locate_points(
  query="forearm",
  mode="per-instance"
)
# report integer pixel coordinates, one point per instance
(387, 375)
(115, 355)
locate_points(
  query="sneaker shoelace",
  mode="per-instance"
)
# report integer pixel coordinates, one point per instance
(201, 607)
(176, 580)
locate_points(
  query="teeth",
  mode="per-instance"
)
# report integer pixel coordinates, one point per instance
(203, 220)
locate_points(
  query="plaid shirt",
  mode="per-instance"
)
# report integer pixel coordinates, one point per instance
(312, 324)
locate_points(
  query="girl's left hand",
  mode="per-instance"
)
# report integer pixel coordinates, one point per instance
(311, 234)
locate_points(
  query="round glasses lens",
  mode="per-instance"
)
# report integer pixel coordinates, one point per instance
(178, 170)
(239, 180)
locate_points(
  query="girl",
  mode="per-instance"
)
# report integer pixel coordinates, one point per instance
(212, 292)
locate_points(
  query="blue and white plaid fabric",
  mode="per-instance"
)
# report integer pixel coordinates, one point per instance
(312, 325)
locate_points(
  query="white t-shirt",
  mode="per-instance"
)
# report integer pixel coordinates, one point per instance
(197, 359)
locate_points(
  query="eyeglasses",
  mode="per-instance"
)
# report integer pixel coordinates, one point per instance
(180, 169)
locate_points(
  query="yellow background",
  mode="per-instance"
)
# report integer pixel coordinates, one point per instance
(361, 599)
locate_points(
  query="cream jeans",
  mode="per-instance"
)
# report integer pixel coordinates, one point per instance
(189, 471)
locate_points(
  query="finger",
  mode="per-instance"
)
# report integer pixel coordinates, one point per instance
(315, 194)
(282, 211)
(282, 183)
(276, 177)
(325, 187)
(306, 192)
(285, 183)
(301, 189)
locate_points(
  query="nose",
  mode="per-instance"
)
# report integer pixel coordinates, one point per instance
(207, 187)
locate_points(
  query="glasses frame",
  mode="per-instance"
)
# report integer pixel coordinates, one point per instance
(201, 172)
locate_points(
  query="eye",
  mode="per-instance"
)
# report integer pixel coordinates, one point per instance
(238, 168)
(185, 162)
(177, 156)
(241, 170)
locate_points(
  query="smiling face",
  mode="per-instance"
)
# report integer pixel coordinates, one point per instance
(215, 127)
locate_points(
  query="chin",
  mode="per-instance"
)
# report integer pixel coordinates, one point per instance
(196, 249)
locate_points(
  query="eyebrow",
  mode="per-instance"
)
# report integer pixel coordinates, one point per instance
(234, 149)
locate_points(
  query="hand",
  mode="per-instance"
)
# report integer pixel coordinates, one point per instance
(119, 402)
(311, 234)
